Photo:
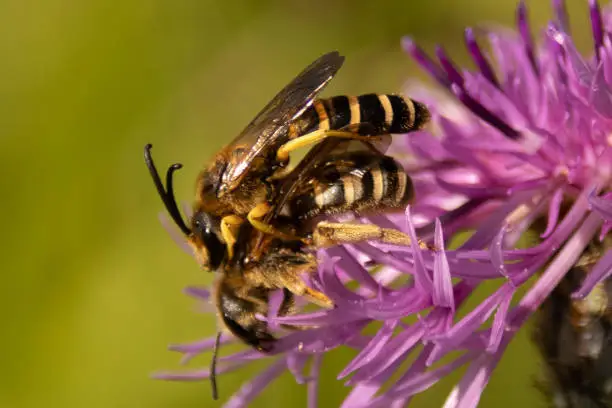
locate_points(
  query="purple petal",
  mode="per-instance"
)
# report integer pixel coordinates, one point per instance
(602, 270)
(245, 356)
(195, 375)
(197, 347)
(492, 225)
(295, 365)
(467, 393)
(553, 212)
(499, 325)
(497, 255)
(177, 237)
(372, 350)
(362, 393)
(597, 26)
(442, 283)
(396, 348)
(438, 321)
(583, 73)
(422, 381)
(557, 269)
(398, 304)
(421, 276)
(253, 388)
(424, 61)
(399, 403)
(197, 292)
(416, 368)
(321, 317)
(479, 58)
(274, 303)
(605, 229)
(333, 286)
(351, 267)
(384, 258)
(561, 14)
(600, 93)
(603, 205)
(469, 324)
(484, 114)
(447, 64)
(319, 340)
(523, 27)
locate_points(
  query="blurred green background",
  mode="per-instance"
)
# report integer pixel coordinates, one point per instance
(91, 282)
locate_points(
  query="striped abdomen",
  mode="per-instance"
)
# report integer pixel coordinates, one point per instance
(371, 183)
(369, 114)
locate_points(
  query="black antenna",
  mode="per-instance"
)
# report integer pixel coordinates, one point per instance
(213, 368)
(166, 193)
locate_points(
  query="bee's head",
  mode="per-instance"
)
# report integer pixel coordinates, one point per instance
(239, 314)
(204, 234)
(208, 245)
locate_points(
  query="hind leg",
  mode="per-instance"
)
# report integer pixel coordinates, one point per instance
(284, 271)
(292, 281)
(328, 234)
(317, 136)
(287, 306)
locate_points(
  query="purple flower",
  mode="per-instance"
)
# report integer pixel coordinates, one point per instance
(524, 136)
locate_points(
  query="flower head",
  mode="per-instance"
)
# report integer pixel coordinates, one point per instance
(524, 136)
(519, 143)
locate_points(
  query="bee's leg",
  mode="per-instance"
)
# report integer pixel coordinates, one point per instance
(316, 297)
(280, 174)
(282, 154)
(287, 308)
(257, 213)
(292, 281)
(328, 234)
(282, 272)
(229, 231)
(285, 273)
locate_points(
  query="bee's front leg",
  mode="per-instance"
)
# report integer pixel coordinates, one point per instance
(230, 224)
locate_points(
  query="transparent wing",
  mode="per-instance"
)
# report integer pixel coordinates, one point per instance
(272, 122)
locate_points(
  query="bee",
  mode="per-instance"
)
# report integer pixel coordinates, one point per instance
(256, 220)
(575, 337)
(236, 186)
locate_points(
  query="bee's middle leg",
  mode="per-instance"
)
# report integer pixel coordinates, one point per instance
(287, 275)
(287, 308)
(255, 219)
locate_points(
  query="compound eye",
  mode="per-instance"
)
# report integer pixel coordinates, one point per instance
(199, 223)
(206, 228)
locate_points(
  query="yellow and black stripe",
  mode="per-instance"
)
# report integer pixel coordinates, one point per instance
(369, 114)
(373, 183)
